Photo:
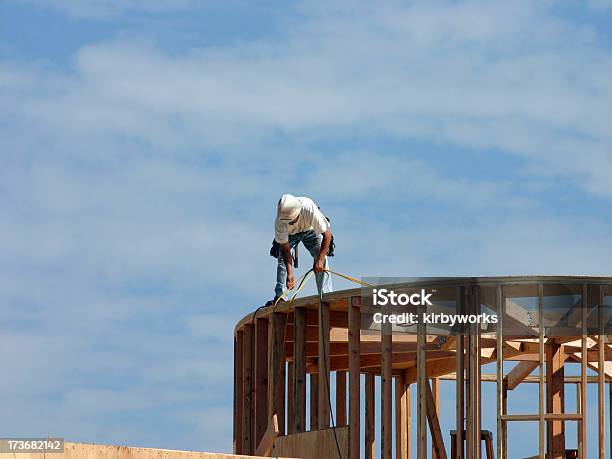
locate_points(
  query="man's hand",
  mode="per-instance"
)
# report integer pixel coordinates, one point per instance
(286, 251)
(319, 265)
(290, 280)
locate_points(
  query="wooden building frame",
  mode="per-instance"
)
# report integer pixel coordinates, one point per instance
(292, 352)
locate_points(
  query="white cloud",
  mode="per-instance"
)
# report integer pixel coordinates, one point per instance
(500, 76)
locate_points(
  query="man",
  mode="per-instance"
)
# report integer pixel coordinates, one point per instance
(299, 219)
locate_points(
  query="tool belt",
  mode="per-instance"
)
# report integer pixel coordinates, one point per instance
(275, 251)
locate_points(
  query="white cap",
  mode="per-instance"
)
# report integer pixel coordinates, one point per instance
(289, 208)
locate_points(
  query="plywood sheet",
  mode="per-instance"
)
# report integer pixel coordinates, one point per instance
(316, 444)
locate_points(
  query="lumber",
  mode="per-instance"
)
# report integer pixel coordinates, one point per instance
(261, 378)
(435, 388)
(248, 405)
(299, 368)
(370, 416)
(601, 340)
(323, 360)
(422, 385)
(354, 376)
(238, 391)
(501, 384)
(459, 380)
(583, 376)
(314, 403)
(316, 444)
(519, 373)
(290, 400)
(555, 400)
(340, 398)
(276, 366)
(267, 440)
(541, 344)
(386, 393)
(437, 441)
(402, 418)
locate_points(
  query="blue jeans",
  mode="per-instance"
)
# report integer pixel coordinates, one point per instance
(313, 243)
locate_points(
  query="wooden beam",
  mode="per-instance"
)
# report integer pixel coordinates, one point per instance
(267, 440)
(238, 391)
(276, 366)
(402, 418)
(541, 407)
(601, 411)
(555, 400)
(607, 366)
(261, 378)
(460, 400)
(340, 349)
(583, 373)
(610, 410)
(341, 398)
(459, 382)
(299, 368)
(247, 371)
(519, 373)
(354, 317)
(435, 388)
(290, 400)
(477, 401)
(422, 386)
(337, 319)
(324, 385)
(500, 383)
(489, 377)
(314, 404)
(475, 361)
(547, 417)
(370, 416)
(504, 423)
(400, 360)
(437, 440)
(282, 400)
(386, 392)
(579, 411)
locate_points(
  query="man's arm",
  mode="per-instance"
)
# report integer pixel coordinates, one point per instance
(319, 263)
(286, 251)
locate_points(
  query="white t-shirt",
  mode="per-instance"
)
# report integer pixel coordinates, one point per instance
(310, 218)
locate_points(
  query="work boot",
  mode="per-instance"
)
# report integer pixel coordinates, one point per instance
(271, 302)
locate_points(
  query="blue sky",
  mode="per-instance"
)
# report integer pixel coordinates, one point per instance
(144, 145)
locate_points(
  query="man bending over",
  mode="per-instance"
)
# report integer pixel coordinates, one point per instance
(299, 219)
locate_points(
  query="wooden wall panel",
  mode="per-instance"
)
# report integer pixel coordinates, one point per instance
(317, 444)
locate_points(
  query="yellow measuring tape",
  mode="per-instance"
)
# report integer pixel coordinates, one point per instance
(352, 279)
(308, 275)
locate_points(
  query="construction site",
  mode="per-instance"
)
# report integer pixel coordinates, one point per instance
(311, 373)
